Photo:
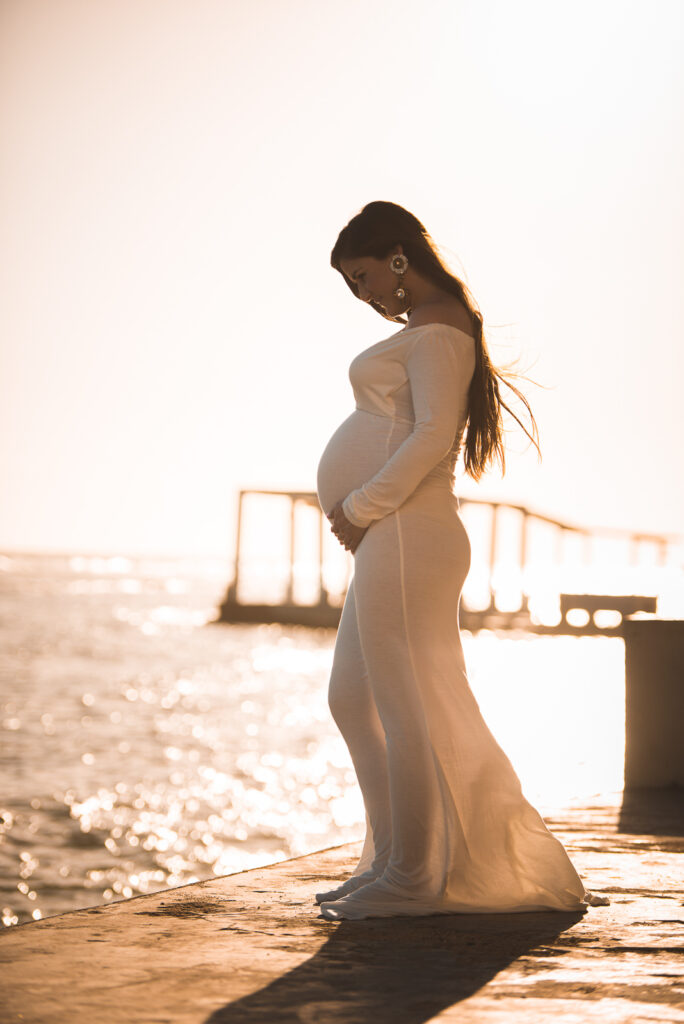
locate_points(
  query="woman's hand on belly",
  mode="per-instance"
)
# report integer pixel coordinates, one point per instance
(347, 533)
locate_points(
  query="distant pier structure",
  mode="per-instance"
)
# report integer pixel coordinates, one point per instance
(513, 571)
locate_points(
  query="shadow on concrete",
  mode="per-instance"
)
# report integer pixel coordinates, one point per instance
(404, 970)
(654, 812)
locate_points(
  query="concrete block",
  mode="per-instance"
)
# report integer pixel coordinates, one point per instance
(654, 702)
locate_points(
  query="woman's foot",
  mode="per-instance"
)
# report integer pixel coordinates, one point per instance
(348, 887)
(376, 899)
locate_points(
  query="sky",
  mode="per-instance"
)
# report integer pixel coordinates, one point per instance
(174, 174)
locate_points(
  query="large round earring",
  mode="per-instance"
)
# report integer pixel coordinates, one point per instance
(399, 265)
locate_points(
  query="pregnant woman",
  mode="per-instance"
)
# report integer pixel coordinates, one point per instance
(448, 829)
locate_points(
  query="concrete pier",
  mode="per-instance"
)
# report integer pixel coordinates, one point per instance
(253, 947)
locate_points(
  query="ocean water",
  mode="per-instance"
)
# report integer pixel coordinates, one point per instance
(143, 746)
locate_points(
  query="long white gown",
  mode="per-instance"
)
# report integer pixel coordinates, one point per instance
(448, 828)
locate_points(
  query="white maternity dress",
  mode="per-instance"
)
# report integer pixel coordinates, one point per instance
(448, 828)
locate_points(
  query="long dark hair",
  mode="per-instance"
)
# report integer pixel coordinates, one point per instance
(375, 231)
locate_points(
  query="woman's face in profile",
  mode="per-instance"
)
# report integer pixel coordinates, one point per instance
(374, 280)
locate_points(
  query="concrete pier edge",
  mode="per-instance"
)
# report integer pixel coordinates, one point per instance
(252, 946)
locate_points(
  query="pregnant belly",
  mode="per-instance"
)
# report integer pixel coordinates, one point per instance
(360, 447)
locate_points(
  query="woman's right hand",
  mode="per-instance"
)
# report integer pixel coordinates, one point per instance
(348, 534)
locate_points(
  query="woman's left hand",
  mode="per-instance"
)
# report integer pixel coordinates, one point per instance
(347, 533)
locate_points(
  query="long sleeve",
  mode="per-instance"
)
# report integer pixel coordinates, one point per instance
(439, 367)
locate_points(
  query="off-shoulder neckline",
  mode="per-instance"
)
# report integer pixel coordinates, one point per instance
(422, 326)
(398, 334)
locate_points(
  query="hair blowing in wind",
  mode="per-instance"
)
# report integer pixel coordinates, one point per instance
(374, 232)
